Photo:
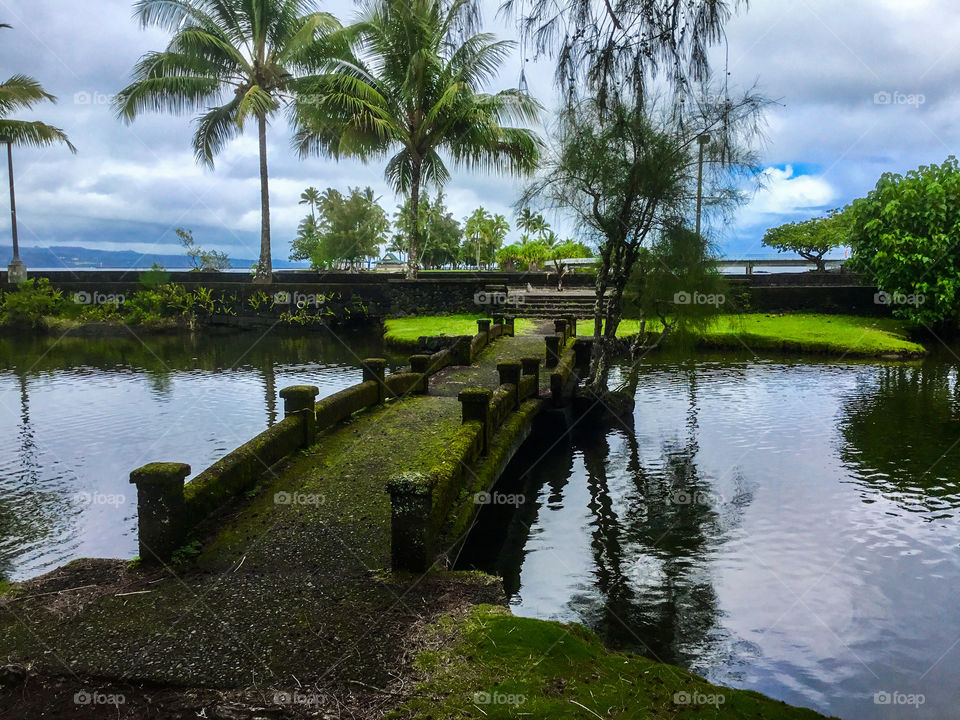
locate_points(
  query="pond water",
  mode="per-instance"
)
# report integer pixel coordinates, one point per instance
(791, 527)
(77, 415)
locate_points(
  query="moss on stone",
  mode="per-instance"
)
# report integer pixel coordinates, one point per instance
(492, 664)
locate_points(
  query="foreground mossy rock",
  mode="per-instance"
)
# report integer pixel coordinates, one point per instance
(509, 667)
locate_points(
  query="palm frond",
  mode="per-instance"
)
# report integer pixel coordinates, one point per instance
(22, 92)
(33, 134)
(254, 102)
(169, 81)
(214, 130)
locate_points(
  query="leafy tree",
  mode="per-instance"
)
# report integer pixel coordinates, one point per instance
(235, 59)
(510, 257)
(626, 174)
(307, 241)
(409, 80)
(568, 249)
(906, 237)
(677, 281)
(345, 231)
(200, 259)
(440, 233)
(811, 239)
(23, 93)
(485, 234)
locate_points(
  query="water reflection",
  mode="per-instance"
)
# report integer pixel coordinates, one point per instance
(79, 414)
(902, 433)
(781, 525)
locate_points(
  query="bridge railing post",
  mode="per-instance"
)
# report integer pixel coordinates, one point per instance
(475, 406)
(553, 350)
(531, 366)
(376, 369)
(510, 373)
(300, 400)
(571, 325)
(560, 328)
(421, 364)
(411, 510)
(509, 327)
(483, 328)
(583, 349)
(160, 509)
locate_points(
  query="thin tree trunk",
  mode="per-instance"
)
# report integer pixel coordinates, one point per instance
(413, 256)
(265, 266)
(13, 205)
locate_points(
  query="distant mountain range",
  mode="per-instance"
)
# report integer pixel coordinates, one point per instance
(72, 258)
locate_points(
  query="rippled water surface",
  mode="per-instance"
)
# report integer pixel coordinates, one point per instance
(789, 527)
(77, 415)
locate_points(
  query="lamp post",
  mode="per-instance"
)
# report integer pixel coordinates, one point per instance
(702, 140)
(16, 271)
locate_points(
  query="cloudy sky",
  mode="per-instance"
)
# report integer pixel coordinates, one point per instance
(865, 87)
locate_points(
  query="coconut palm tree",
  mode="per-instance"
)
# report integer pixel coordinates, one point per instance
(531, 224)
(238, 60)
(409, 80)
(311, 196)
(22, 93)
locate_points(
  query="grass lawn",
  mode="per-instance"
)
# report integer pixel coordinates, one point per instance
(814, 333)
(403, 332)
(494, 665)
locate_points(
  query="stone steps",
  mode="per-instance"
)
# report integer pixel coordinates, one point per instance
(553, 306)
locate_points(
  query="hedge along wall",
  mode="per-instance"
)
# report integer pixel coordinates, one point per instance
(382, 294)
(168, 510)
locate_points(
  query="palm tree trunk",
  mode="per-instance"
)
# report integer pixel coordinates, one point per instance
(265, 266)
(13, 204)
(413, 254)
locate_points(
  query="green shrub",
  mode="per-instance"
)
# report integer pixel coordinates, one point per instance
(30, 303)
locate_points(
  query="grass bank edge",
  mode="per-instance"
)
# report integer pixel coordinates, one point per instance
(489, 663)
(403, 333)
(812, 333)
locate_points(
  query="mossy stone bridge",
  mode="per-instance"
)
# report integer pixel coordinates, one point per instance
(274, 565)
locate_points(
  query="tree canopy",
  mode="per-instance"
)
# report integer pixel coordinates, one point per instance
(407, 82)
(811, 239)
(905, 236)
(232, 60)
(344, 231)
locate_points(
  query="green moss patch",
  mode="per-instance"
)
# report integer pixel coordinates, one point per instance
(494, 665)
